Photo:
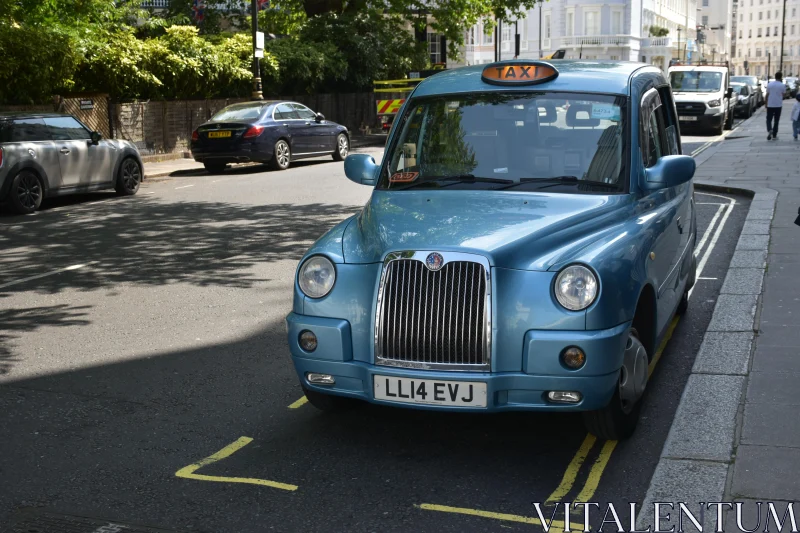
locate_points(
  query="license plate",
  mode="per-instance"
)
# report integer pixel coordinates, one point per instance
(218, 134)
(687, 119)
(430, 391)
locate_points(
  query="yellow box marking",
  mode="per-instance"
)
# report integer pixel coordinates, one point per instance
(555, 525)
(299, 403)
(188, 472)
(572, 470)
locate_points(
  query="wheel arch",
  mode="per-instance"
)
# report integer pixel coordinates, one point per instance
(127, 153)
(645, 318)
(32, 166)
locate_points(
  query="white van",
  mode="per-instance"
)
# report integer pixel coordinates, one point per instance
(703, 96)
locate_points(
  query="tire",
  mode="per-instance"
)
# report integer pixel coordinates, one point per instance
(719, 130)
(683, 305)
(215, 168)
(129, 177)
(342, 147)
(26, 192)
(281, 156)
(328, 402)
(617, 421)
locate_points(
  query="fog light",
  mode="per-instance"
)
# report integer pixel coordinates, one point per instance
(564, 396)
(573, 357)
(308, 341)
(320, 379)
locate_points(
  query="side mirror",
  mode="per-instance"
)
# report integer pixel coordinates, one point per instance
(320, 117)
(729, 94)
(362, 169)
(669, 171)
(95, 137)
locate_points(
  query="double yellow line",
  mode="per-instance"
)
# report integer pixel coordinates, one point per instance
(570, 474)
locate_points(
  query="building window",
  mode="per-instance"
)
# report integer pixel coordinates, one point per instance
(435, 47)
(741, 17)
(616, 22)
(523, 34)
(705, 3)
(591, 23)
(775, 31)
(760, 15)
(547, 26)
(794, 11)
(792, 29)
(749, 34)
(507, 38)
(570, 24)
(767, 35)
(768, 15)
(740, 34)
(776, 13)
(758, 52)
(758, 70)
(759, 33)
(705, 20)
(751, 17)
(614, 58)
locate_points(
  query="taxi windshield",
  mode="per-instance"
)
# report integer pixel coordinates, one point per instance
(557, 142)
(695, 81)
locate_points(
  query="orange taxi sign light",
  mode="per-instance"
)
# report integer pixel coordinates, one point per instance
(519, 73)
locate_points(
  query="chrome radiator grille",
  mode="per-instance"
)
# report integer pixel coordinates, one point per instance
(434, 319)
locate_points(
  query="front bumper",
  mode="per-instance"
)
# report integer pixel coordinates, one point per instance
(706, 121)
(506, 391)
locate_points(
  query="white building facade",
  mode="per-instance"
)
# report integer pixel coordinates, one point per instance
(715, 18)
(758, 39)
(593, 29)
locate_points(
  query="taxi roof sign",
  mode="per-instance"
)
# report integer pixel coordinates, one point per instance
(519, 73)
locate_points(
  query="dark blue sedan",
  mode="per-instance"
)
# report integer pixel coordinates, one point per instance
(272, 132)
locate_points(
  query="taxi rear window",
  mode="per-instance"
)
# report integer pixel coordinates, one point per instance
(559, 142)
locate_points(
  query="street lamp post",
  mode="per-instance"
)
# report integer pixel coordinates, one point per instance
(679, 43)
(783, 34)
(257, 94)
(540, 29)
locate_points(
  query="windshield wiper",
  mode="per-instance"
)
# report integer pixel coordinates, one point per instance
(460, 178)
(561, 180)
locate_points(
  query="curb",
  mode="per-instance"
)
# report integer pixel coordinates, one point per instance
(698, 455)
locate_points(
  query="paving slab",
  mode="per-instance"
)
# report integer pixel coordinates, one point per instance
(752, 227)
(749, 258)
(753, 242)
(699, 432)
(753, 515)
(766, 473)
(767, 358)
(774, 387)
(760, 214)
(743, 281)
(771, 424)
(724, 353)
(734, 312)
(683, 481)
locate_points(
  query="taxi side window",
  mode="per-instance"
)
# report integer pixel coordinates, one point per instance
(655, 145)
(670, 121)
(653, 137)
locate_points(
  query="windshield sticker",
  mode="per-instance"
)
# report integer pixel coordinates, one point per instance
(492, 133)
(605, 111)
(502, 170)
(403, 177)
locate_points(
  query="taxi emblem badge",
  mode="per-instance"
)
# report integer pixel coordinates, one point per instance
(434, 261)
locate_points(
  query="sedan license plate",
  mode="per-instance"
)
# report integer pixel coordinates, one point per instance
(218, 134)
(430, 391)
(687, 119)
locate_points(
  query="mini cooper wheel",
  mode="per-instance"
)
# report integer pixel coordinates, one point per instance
(328, 402)
(214, 168)
(129, 178)
(281, 156)
(342, 147)
(26, 192)
(618, 419)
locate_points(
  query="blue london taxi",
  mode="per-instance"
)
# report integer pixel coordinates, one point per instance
(529, 239)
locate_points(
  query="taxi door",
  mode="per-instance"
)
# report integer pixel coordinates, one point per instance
(663, 207)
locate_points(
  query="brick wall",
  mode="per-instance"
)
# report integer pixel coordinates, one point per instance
(164, 127)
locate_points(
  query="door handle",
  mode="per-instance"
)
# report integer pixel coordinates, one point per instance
(64, 150)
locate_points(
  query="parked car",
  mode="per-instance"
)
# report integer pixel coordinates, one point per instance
(273, 132)
(51, 154)
(745, 99)
(791, 87)
(516, 254)
(703, 97)
(755, 87)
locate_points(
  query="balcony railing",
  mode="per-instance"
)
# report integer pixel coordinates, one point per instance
(658, 42)
(586, 41)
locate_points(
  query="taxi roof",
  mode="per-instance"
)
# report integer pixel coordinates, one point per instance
(611, 77)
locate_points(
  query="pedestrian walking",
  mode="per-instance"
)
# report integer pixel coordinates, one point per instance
(775, 93)
(796, 117)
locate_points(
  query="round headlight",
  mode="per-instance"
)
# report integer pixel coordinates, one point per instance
(316, 277)
(576, 287)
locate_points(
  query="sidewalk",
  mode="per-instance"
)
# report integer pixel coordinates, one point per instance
(166, 168)
(736, 434)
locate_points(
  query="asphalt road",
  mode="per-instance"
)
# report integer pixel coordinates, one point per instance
(694, 142)
(140, 336)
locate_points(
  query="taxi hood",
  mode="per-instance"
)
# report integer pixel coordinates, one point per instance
(524, 231)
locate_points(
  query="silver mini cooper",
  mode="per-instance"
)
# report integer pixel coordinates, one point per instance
(50, 154)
